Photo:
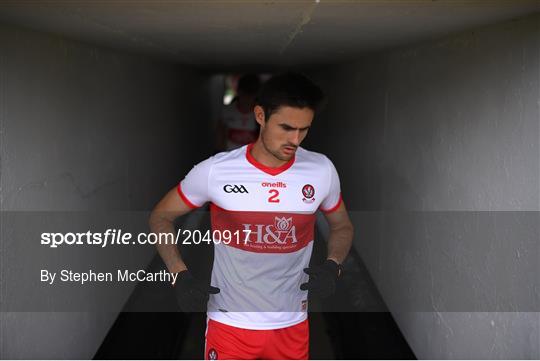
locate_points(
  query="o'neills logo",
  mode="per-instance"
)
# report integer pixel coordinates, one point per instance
(274, 184)
(281, 232)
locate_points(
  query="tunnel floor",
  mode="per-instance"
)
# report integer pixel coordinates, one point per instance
(366, 331)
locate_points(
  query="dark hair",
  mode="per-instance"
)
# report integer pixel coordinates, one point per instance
(249, 84)
(289, 89)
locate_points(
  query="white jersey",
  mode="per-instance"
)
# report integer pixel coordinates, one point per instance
(260, 274)
(241, 127)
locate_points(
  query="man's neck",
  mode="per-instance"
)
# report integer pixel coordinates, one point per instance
(264, 157)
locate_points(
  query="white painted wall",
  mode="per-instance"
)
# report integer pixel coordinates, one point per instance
(90, 130)
(437, 146)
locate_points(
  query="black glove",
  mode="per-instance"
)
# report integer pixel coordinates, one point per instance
(192, 294)
(322, 279)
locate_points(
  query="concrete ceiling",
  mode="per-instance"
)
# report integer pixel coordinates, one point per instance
(223, 34)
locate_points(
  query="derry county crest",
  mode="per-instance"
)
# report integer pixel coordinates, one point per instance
(309, 193)
(212, 354)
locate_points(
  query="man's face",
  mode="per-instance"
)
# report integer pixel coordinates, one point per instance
(283, 132)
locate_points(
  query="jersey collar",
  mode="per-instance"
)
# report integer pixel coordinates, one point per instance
(270, 170)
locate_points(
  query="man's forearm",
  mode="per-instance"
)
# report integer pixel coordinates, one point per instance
(339, 243)
(168, 252)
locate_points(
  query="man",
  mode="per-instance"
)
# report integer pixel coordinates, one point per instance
(237, 126)
(269, 190)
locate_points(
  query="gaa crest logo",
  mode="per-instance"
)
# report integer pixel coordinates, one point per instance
(309, 193)
(235, 188)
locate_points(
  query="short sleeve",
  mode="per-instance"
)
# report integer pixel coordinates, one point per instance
(333, 198)
(193, 189)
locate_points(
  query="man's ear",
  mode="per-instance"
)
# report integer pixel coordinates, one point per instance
(259, 115)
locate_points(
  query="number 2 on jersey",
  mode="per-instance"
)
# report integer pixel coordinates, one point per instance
(274, 194)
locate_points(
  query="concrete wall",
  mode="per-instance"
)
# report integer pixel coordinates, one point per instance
(91, 130)
(437, 146)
